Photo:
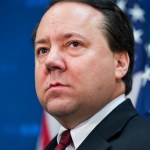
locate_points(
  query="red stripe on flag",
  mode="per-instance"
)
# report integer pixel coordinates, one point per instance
(45, 135)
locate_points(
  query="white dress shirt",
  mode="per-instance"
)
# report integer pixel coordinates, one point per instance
(80, 132)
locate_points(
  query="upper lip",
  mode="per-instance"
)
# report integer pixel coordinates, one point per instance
(55, 84)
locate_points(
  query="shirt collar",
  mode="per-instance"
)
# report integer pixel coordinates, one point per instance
(79, 133)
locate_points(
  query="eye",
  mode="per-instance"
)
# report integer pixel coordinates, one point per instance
(75, 44)
(42, 51)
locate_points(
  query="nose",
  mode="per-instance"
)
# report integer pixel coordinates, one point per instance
(55, 61)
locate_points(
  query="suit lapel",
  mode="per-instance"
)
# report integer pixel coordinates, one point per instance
(116, 120)
(94, 142)
(100, 137)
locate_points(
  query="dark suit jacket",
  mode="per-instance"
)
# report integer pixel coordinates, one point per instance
(122, 129)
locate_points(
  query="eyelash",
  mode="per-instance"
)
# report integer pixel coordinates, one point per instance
(42, 51)
(75, 42)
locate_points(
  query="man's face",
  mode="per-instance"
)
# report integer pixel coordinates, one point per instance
(74, 67)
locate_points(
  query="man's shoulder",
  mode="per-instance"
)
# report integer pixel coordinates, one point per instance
(134, 136)
(137, 130)
(139, 123)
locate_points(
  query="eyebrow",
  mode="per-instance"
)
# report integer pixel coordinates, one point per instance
(70, 35)
(40, 41)
(62, 37)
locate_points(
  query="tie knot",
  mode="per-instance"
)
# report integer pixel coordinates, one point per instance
(64, 141)
(66, 138)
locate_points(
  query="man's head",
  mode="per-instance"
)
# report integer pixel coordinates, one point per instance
(84, 58)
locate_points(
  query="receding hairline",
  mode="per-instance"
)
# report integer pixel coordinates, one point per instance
(100, 24)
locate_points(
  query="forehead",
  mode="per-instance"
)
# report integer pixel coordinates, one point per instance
(72, 9)
(73, 17)
(71, 13)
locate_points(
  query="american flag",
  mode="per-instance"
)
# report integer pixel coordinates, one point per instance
(141, 81)
(49, 128)
(137, 15)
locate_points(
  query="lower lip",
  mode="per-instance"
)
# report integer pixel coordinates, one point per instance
(59, 87)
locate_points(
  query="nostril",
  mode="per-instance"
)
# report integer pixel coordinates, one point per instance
(54, 68)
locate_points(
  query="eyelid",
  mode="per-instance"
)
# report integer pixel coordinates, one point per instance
(39, 49)
(75, 41)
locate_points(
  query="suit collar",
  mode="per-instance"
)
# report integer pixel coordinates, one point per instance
(116, 120)
(94, 141)
(99, 138)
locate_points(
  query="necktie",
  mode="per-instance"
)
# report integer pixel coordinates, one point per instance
(64, 141)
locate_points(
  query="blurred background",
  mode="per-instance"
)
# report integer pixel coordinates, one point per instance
(20, 111)
(21, 115)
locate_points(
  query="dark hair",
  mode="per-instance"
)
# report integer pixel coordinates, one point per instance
(117, 29)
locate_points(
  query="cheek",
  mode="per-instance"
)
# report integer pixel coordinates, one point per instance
(39, 80)
(82, 72)
(95, 73)
(39, 74)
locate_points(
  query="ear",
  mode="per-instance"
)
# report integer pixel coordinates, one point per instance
(121, 64)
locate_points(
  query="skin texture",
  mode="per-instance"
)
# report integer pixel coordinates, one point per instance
(76, 73)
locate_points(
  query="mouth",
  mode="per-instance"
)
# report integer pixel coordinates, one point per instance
(57, 86)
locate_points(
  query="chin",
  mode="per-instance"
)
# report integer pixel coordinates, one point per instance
(60, 108)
